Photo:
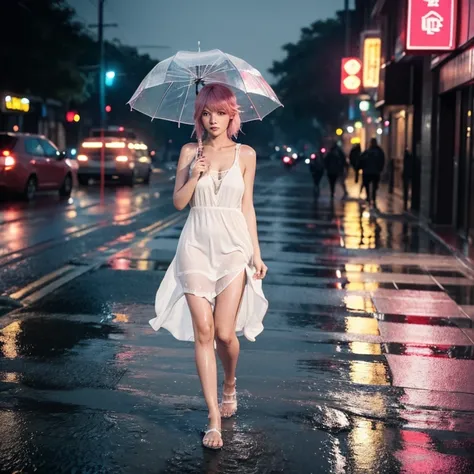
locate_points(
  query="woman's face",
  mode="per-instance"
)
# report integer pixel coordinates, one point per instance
(215, 122)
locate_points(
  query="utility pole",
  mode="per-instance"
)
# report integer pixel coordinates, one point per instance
(347, 22)
(101, 98)
(101, 65)
(348, 28)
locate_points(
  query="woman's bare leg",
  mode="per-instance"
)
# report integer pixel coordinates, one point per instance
(228, 347)
(203, 324)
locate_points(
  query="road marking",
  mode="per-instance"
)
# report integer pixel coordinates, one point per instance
(45, 285)
(40, 282)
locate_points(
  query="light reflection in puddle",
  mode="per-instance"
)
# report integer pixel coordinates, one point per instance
(357, 325)
(366, 443)
(359, 303)
(8, 340)
(368, 373)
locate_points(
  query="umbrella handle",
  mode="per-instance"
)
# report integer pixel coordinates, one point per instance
(199, 151)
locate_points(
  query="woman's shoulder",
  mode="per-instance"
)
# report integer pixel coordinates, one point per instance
(189, 148)
(188, 152)
(247, 153)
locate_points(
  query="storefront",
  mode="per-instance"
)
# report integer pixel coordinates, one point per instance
(29, 114)
(453, 193)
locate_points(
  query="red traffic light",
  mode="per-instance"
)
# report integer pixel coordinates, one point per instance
(108, 108)
(70, 114)
(351, 75)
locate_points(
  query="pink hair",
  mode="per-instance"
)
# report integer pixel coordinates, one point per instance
(217, 97)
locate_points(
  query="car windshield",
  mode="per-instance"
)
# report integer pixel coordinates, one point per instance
(7, 142)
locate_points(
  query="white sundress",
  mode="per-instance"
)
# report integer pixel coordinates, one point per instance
(214, 248)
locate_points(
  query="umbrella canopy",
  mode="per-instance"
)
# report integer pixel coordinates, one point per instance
(168, 91)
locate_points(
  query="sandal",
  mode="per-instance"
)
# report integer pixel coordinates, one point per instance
(232, 400)
(207, 445)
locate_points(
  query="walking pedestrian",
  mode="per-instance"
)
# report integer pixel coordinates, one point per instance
(407, 176)
(316, 167)
(336, 166)
(372, 164)
(354, 159)
(212, 291)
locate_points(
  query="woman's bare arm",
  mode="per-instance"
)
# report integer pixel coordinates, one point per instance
(185, 183)
(249, 158)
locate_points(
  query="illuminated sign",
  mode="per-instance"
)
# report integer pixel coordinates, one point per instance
(371, 62)
(351, 75)
(431, 25)
(17, 104)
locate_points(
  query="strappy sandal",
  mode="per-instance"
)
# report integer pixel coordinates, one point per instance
(211, 430)
(232, 400)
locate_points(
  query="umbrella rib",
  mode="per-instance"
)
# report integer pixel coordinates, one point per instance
(182, 108)
(162, 99)
(209, 66)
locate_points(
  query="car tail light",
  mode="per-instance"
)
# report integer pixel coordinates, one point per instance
(82, 158)
(6, 153)
(121, 158)
(9, 162)
(286, 159)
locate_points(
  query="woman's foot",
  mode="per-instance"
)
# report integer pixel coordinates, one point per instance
(212, 436)
(228, 407)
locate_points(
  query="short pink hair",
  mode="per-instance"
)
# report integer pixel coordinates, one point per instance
(217, 97)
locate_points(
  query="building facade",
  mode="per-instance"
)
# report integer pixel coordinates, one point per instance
(426, 94)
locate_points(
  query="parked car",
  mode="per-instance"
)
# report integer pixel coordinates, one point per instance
(125, 159)
(31, 163)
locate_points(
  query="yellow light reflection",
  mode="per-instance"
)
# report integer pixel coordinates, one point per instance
(359, 325)
(365, 348)
(371, 268)
(368, 373)
(365, 441)
(9, 377)
(354, 268)
(362, 286)
(359, 303)
(8, 341)
(71, 214)
(120, 318)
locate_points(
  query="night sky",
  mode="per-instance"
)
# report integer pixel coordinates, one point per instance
(254, 30)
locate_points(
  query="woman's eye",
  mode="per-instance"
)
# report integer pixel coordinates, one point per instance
(221, 113)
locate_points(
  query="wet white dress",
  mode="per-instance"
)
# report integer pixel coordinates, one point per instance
(214, 248)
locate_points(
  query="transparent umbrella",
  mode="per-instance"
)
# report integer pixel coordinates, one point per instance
(169, 90)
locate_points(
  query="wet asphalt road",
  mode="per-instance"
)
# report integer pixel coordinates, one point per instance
(365, 364)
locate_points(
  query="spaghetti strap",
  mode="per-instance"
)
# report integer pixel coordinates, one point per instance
(237, 154)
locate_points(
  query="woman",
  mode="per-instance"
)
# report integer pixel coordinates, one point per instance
(212, 290)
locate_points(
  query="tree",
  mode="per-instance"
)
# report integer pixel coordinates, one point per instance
(41, 42)
(308, 81)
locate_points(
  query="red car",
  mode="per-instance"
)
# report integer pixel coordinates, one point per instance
(31, 163)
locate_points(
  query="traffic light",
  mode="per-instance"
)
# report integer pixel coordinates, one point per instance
(109, 78)
(72, 116)
(351, 75)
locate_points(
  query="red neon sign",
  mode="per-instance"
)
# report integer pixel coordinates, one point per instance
(351, 75)
(431, 25)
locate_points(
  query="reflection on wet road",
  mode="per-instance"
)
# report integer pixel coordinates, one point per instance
(364, 366)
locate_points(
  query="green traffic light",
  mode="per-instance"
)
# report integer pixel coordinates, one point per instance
(109, 78)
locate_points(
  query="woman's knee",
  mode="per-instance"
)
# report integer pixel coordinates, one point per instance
(205, 333)
(224, 337)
